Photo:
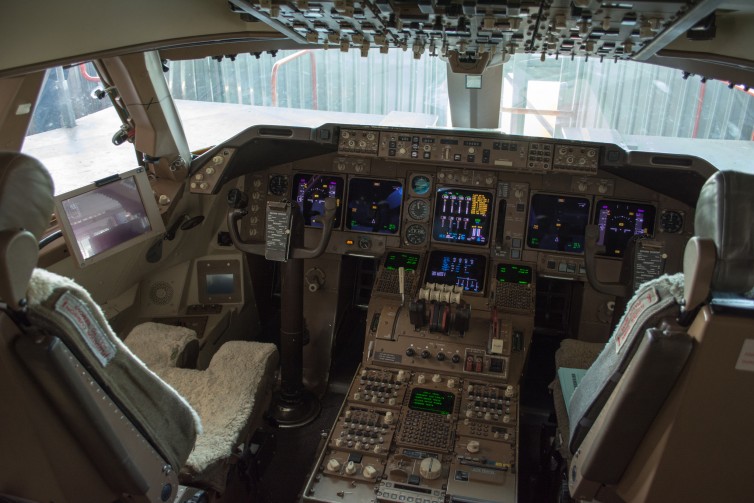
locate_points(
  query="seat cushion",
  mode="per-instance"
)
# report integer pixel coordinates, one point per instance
(159, 345)
(231, 396)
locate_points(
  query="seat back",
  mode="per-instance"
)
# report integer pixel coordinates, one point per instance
(89, 421)
(675, 426)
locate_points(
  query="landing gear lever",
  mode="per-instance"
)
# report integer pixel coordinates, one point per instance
(293, 405)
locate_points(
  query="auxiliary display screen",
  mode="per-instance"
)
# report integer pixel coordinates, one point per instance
(396, 260)
(310, 192)
(619, 221)
(429, 400)
(374, 205)
(514, 273)
(557, 223)
(462, 269)
(462, 216)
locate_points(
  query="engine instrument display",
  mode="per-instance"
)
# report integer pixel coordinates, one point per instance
(462, 269)
(462, 216)
(514, 273)
(557, 223)
(397, 259)
(374, 205)
(310, 192)
(429, 400)
(618, 221)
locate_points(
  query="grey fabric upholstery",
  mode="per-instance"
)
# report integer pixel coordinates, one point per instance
(26, 194)
(725, 214)
(60, 307)
(654, 301)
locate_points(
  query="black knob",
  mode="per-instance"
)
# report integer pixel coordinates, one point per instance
(410, 352)
(456, 358)
(426, 354)
(237, 199)
(440, 357)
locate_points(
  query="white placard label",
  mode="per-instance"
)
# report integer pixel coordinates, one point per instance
(746, 358)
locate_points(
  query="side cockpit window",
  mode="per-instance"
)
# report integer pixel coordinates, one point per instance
(73, 130)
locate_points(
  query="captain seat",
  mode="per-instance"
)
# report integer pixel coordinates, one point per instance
(664, 410)
(84, 419)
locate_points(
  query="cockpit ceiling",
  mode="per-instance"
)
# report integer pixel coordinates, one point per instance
(475, 33)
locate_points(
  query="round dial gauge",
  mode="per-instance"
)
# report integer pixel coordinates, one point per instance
(418, 209)
(278, 185)
(671, 222)
(420, 184)
(416, 234)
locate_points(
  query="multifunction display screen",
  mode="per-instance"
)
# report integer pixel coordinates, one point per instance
(462, 269)
(557, 223)
(310, 192)
(514, 273)
(429, 400)
(396, 260)
(374, 205)
(619, 221)
(462, 216)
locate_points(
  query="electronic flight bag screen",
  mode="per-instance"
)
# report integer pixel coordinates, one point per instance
(619, 221)
(462, 216)
(310, 192)
(462, 269)
(557, 223)
(374, 205)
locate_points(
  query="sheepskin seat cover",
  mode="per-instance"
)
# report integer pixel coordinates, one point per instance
(159, 345)
(58, 306)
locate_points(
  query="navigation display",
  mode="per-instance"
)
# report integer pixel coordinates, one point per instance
(462, 269)
(619, 221)
(374, 205)
(429, 400)
(310, 192)
(514, 273)
(396, 260)
(557, 223)
(462, 216)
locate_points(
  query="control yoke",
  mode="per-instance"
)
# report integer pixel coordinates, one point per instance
(284, 243)
(591, 250)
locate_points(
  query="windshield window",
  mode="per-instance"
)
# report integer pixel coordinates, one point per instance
(71, 131)
(635, 105)
(218, 99)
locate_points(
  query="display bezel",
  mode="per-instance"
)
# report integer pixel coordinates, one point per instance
(532, 214)
(649, 208)
(347, 211)
(437, 214)
(482, 278)
(148, 202)
(340, 181)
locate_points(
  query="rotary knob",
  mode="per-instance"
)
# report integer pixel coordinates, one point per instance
(425, 354)
(473, 446)
(369, 472)
(401, 374)
(333, 465)
(430, 468)
(451, 383)
(351, 468)
(389, 419)
(210, 171)
(421, 379)
(509, 391)
(440, 357)
(410, 352)
(456, 358)
(436, 378)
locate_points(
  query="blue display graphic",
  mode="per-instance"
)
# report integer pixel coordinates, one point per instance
(462, 216)
(462, 269)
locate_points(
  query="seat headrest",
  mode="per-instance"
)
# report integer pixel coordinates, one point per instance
(725, 214)
(26, 194)
(26, 204)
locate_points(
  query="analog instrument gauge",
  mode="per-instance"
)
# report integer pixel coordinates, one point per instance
(278, 185)
(671, 221)
(418, 209)
(416, 234)
(420, 184)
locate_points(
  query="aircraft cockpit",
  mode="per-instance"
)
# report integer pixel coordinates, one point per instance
(430, 252)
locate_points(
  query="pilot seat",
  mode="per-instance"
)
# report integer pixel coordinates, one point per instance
(84, 418)
(663, 410)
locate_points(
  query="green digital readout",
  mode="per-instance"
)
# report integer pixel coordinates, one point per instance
(513, 273)
(408, 261)
(429, 400)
